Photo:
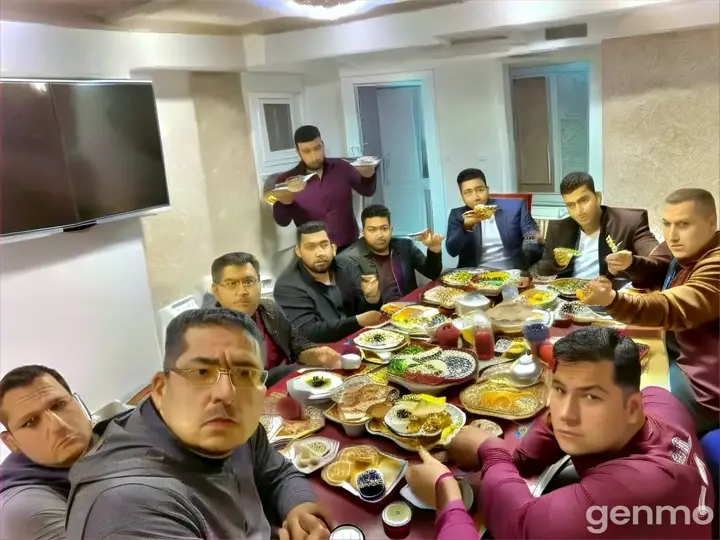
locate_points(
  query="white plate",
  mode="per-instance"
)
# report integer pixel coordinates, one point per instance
(468, 497)
(292, 453)
(391, 341)
(303, 383)
(365, 161)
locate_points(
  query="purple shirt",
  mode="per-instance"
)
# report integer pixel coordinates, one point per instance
(328, 200)
(662, 466)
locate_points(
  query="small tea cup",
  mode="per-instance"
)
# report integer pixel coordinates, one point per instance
(350, 361)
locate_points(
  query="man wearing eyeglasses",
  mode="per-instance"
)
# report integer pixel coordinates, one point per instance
(236, 285)
(47, 430)
(193, 460)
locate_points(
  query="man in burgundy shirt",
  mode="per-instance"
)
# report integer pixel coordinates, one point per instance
(640, 464)
(327, 197)
(236, 285)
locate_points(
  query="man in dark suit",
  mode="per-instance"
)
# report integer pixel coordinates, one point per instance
(236, 285)
(393, 260)
(507, 239)
(590, 229)
(324, 296)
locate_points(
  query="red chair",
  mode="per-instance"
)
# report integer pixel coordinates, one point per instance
(527, 197)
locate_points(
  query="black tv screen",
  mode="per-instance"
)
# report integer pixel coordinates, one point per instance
(35, 190)
(93, 148)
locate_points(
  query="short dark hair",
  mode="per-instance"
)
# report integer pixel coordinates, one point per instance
(597, 344)
(237, 258)
(175, 344)
(471, 174)
(703, 199)
(25, 376)
(373, 211)
(576, 180)
(305, 134)
(311, 227)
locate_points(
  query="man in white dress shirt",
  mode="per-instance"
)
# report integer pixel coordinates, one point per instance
(592, 229)
(504, 240)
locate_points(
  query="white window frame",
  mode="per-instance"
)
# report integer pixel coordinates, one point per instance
(550, 205)
(271, 162)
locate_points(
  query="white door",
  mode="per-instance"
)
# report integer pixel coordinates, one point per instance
(404, 167)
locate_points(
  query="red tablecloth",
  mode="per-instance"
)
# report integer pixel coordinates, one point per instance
(349, 509)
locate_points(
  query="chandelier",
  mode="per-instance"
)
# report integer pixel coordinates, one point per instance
(327, 9)
(327, 4)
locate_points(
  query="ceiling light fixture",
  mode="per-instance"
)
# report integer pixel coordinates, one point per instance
(327, 10)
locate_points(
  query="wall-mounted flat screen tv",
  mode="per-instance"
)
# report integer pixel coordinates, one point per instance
(77, 152)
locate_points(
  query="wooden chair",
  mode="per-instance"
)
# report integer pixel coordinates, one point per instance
(527, 197)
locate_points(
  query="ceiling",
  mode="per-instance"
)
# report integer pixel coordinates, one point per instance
(231, 17)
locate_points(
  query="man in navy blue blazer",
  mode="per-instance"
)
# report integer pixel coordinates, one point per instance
(507, 239)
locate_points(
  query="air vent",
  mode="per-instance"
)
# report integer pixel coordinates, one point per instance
(471, 38)
(566, 32)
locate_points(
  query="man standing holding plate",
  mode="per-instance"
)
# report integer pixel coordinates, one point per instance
(327, 197)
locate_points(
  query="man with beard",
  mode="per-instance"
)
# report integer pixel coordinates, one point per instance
(393, 260)
(504, 239)
(327, 197)
(326, 297)
(47, 430)
(193, 460)
(688, 303)
(236, 285)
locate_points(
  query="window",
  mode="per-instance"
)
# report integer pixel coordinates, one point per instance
(274, 117)
(278, 124)
(551, 125)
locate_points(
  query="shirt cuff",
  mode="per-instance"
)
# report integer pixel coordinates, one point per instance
(456, 504)
(493, 450)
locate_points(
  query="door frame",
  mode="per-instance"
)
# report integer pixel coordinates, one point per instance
(353, 134)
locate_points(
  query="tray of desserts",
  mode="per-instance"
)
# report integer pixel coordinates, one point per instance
(355, 399)
(365, 472)
(311, 454)
(285, 420)
(496, 396)
(442, 296)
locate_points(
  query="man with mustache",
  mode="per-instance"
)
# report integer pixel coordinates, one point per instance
(393, 260)
(236, 285)
(193, 461)
(47, 430)
(687, 303)
(328, 196)
(325, 296)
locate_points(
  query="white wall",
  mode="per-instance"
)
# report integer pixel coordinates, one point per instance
(80, 303)
(36, 50)
(471, 119)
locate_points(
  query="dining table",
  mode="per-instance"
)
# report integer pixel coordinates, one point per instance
(346, 508)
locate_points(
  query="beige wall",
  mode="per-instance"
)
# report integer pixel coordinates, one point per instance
(661, 117)
(211, 178)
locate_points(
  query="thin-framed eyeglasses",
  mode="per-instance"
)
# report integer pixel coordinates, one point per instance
(209, 376)
(247, 283)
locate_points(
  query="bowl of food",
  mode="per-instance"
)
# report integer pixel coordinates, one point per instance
(539, 298)
(510, 317)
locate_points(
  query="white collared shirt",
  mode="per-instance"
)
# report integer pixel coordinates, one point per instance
(492, 245)
(587, 265)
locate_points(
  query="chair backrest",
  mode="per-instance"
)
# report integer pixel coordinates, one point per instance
(527, 197)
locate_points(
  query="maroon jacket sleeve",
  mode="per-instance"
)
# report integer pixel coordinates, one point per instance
(538, 449)
(454, 523)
